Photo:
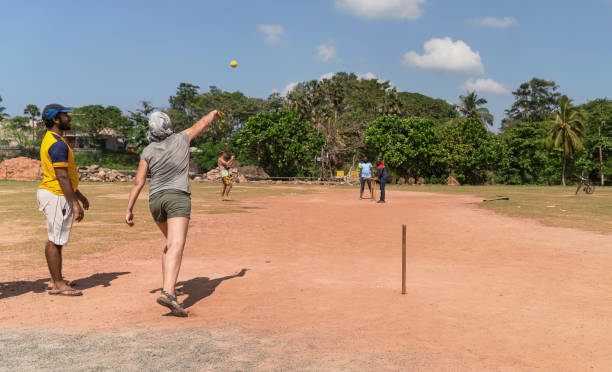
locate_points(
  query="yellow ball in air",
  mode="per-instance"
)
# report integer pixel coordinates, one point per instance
(234, 64)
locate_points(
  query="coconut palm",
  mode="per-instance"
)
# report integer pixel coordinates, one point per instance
(32, 111)
(469, 108)
(567, 130)
(3, 115)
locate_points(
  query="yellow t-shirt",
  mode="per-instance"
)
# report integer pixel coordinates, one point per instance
(55, 153)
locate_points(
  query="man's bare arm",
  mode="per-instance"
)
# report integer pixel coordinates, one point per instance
(71, 196)
(83, 199)
(227, 163)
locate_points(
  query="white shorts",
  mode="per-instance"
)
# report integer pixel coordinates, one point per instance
(58, 213)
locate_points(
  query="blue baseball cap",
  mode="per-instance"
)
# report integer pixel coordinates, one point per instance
(53, 109)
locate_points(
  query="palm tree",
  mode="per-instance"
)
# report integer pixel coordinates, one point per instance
(469, 108)
(33, 111)
(567, 130)
(2, 108)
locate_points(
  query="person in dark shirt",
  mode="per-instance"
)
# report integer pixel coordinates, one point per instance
(381, 172)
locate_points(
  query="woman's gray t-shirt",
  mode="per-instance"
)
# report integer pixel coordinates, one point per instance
(168, 162)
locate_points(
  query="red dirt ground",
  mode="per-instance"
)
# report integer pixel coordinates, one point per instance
(323, 284)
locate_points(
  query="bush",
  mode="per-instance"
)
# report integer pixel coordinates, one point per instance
(107, 159)
(208, 154)
(280, 143)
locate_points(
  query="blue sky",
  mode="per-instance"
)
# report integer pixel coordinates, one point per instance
(121, 52)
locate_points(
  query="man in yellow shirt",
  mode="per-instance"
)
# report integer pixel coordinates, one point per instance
(58, 195)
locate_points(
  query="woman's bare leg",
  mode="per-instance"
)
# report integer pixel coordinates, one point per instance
(175, 243)
(163, 227)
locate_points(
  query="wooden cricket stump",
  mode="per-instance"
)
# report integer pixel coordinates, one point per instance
(373, 189)
(403, 259)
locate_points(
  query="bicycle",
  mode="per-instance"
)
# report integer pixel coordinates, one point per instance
(586, 185)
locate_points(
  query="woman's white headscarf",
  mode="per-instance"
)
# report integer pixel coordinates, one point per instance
(160, 127)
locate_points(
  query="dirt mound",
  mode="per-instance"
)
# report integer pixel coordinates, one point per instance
(96, 173)
(214, 175)
(452, 181)
(21, 169)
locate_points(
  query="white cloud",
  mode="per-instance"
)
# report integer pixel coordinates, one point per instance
(289, 88)
(368, 76)
(273, 32)
(446, 55)
(485, 86)
(493, 22)
(327, 52)
(328, 75)
(382, 9)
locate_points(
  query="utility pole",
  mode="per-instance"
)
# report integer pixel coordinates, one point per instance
(601, 169)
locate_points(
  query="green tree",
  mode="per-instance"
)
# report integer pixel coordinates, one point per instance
(183, 106)
(209, 152)
(188, 105)
(596, 157)
(567, 131)
(530, 159)
(94, 120)
(137, 137)
(275, 102)
(18, 129)
(339, 107)
(469, 108)
(3, 115)
(279, 142)
(407, 145)
(33, 112)
(469, 152)
(415, 104)
(534, 101)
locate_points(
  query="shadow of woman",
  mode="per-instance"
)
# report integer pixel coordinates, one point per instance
(17, 288)
(199, 288)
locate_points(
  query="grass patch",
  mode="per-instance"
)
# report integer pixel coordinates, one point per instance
(551, 205)
(107, 159)
(103, 226)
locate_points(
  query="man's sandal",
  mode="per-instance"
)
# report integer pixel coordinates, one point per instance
(171, 303)
(66, 292)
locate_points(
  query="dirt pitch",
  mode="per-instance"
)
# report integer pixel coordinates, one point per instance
(312, 282)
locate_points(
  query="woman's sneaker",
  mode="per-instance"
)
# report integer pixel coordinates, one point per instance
(171, 303)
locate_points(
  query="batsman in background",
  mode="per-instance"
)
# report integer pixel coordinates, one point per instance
(226, 179)
(58, 195)
(167, 157)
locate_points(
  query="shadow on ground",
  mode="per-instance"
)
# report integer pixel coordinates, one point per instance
(18, 288)
(199, 288)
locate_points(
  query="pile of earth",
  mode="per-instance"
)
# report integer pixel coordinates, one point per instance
(214, 175)
(21, 169)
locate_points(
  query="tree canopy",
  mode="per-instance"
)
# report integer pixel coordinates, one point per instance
(280, 142)
(535, 100)
(323, 125)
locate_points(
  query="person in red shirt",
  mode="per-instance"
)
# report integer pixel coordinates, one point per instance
(381, 172)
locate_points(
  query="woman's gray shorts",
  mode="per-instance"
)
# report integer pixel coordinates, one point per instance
(169, 203)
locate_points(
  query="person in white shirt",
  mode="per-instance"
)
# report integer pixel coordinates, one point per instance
(365, 173)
